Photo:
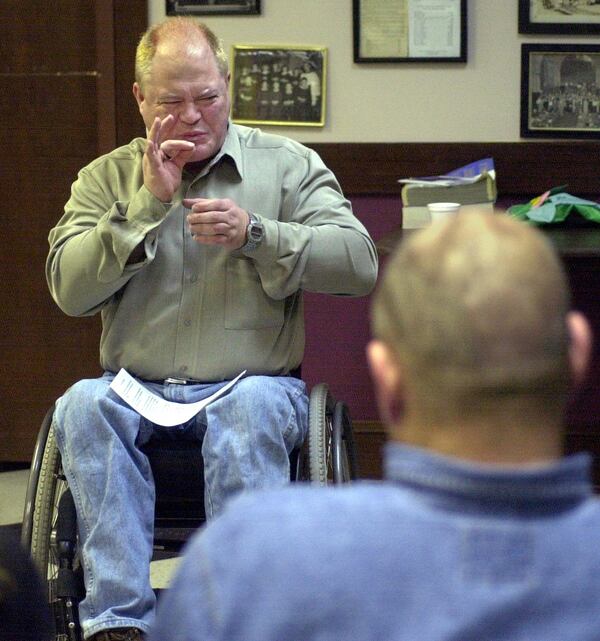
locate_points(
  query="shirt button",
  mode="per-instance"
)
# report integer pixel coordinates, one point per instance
(187, 323)
(183, 369)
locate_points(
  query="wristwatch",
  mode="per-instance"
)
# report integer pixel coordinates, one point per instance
(254, 233)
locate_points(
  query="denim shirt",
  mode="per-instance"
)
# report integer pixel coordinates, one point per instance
(443, 550)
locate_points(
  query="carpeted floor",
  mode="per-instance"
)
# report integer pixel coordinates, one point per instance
(13, 485)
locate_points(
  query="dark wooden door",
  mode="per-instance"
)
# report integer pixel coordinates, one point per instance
(66, 69)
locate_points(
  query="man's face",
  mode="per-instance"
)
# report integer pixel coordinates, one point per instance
(189, 86)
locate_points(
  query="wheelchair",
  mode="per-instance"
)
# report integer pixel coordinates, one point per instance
(49, 528)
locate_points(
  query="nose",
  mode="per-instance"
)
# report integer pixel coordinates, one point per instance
(191, 112)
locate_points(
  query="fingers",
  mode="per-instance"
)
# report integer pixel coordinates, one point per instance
(200, 204)
(161, 129)
(159, 132)
(216, 222)
(173, 148)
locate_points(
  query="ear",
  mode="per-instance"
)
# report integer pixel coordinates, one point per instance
(387, 381)
(580, 345)
(138, 94)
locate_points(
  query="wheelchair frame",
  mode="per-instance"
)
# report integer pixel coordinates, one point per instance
(50, 524)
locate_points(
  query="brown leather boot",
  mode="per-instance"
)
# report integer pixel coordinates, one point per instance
(118, 634)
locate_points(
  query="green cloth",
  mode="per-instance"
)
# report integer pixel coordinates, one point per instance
(557, 208)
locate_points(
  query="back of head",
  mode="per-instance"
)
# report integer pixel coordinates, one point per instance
(179, 33)
(474, 309)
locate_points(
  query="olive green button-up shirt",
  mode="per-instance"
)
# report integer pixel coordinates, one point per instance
(201, 312)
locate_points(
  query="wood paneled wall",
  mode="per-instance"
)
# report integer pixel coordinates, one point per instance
(49, 89)
(65, 96)
(522, 167)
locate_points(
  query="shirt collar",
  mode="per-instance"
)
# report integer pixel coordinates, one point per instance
(568, 479)
(231, 149)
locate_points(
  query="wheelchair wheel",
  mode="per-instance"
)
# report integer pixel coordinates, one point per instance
(331, 450)
(49, 489)
(50, 533)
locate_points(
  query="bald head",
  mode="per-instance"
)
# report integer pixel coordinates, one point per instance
(475, 310)
(176, 39)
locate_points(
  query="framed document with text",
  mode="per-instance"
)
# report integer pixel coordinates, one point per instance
(410, 30)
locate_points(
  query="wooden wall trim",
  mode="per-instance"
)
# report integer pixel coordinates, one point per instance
(522, 167)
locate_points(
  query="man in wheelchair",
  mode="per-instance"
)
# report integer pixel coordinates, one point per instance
(195, 245)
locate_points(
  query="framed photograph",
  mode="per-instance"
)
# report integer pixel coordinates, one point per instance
(211, 7)
(278, 85)
(575, 17)
(410, 30)
(560, 91)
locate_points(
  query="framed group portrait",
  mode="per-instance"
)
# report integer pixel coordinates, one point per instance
(573, 17)
(410, 31)
(278, 85)
(211, 7)
(560, 91)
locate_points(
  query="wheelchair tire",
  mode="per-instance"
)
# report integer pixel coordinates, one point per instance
(319, 435)
(343, 452)
(50, 486)
(331, 453)
(50, 533)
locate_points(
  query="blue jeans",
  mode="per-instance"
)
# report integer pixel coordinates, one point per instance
(247, 435)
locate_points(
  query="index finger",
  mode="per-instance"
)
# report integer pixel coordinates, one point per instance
(159, 127)
(201, 204)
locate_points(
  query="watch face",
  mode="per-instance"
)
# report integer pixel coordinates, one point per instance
(255, 232)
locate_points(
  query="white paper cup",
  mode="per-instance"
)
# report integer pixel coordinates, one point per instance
(440, 211)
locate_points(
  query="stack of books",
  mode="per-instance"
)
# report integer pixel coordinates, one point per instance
(472, 186)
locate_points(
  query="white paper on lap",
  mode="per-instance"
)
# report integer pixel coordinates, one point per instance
(156, 409)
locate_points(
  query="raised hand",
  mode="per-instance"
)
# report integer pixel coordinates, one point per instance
(164, 159)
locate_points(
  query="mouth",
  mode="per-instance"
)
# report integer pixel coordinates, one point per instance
(194, 136)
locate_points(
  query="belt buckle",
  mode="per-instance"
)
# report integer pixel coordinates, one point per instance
(175, 381)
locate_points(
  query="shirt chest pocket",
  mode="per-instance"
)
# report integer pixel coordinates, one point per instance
(247, 306)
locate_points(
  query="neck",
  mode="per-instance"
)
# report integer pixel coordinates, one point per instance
(492, 442)
(196, 166)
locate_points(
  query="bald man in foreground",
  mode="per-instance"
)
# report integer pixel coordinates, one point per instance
(482, 530)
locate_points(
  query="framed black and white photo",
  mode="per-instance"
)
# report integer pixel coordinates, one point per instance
(278, 85)
(211, 7)
(410, 30)
(560, 91)
(575, 17)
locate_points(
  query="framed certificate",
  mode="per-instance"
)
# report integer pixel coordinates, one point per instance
(410, 30)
